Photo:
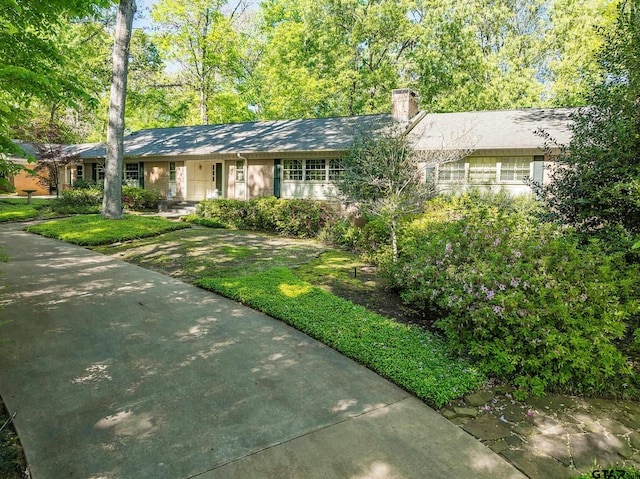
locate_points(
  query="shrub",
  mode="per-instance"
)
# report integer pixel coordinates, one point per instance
(302, 218)
(82, 201)
(410, 356)
(139, 199)
(229, 212)
(521, 296)
(81, 183)
(198, 220)
(341, 232)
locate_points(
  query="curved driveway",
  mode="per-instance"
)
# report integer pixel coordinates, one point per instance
(120, 372)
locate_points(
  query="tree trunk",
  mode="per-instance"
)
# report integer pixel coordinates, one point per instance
(394, 238)
(112, 202)
(204, 116)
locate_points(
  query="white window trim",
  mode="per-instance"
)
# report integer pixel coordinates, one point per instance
(239, 178)
(328, 170)
(498, 171)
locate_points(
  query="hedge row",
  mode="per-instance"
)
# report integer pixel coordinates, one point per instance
(301, 218)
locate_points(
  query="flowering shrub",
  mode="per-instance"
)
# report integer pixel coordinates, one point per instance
(302, 218)
(139, 199)
(521, 296)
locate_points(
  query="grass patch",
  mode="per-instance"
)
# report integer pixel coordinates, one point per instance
(198, 252)
(94, 230)
(17, 209)
(407, 355)
(332, 269)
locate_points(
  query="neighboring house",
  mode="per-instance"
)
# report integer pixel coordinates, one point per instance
(27, 179)
(36, 177)
(300, 158)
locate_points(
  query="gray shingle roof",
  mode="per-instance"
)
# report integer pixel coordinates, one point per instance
(490, 130)
(508, 129)
(321, 134)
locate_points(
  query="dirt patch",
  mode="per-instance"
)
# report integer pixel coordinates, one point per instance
(13, 464)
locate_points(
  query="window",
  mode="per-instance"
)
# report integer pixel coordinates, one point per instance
(335, 169)
(100, 171)
(452, 172)
(132, 174)
(315, 170)
(79, 172)
(292, 170)
(172, 171)
(213, 173)
(239, 171)
(312, 170)
(514, 169)
(482, 170)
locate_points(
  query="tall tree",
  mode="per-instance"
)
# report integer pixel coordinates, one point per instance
(200, 38)
(479, 54)
(112, 202)
(32, 61)
(598, 181)
(572, 41)
(331, 57)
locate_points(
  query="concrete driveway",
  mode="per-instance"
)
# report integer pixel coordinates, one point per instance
(119, 372)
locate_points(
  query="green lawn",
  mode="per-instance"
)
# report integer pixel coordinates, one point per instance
(407, 355)
(17, 209)
(88, 230)
(196, 253)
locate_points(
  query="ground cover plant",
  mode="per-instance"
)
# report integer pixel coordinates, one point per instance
(94, 230)
(408, 355)
(522, 296)
(17, 209)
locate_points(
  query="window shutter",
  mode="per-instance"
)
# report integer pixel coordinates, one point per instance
(141, 174)
(538, 169)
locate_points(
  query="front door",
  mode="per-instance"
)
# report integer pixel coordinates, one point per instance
(204, 180)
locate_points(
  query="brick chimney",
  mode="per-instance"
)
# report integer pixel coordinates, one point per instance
(404, 104)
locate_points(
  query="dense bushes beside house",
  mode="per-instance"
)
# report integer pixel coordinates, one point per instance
(521, 295)
(139, 199)
(87, 199)
(79, 201)
(301, 218)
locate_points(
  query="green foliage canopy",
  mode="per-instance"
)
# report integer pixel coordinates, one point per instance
(598, 181)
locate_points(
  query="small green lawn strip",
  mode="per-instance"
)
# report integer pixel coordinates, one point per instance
(17, 209)
(92, 230)
(407, 355)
